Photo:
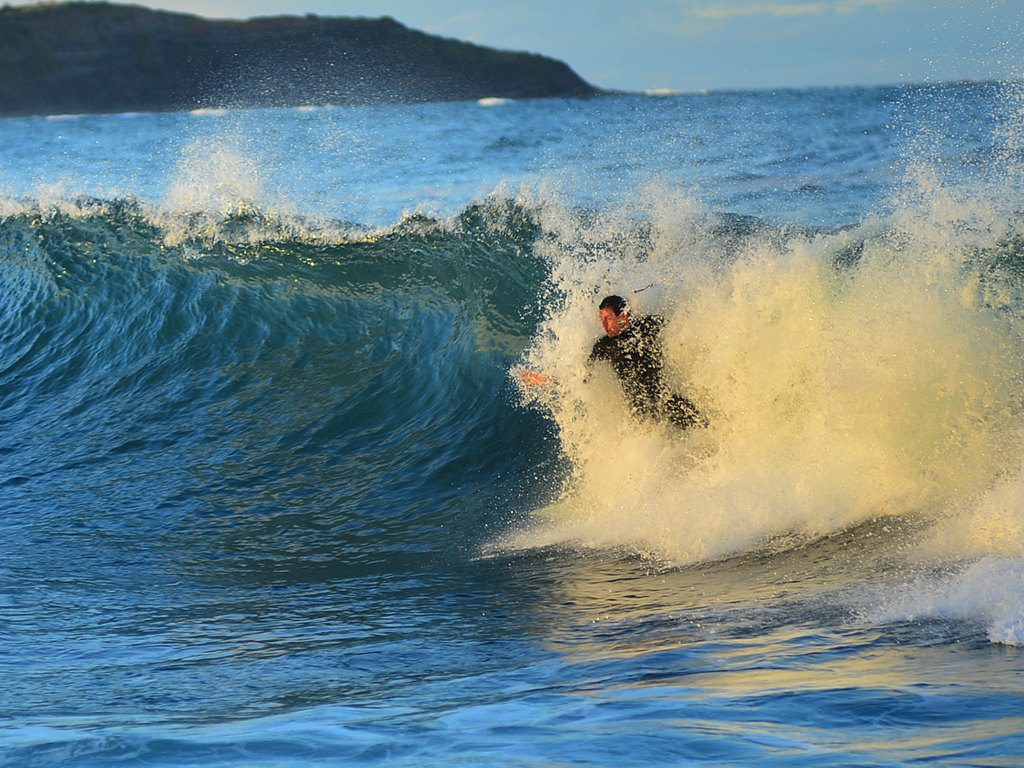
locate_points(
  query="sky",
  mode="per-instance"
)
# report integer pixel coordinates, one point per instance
(690, 45)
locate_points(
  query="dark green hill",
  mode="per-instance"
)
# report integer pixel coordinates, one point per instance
(99, 57)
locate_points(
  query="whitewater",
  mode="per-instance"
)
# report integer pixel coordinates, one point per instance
(273, 493)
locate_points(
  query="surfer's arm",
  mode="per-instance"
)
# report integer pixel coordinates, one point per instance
(532, 378)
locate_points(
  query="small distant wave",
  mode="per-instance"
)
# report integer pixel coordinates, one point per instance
(216, 111)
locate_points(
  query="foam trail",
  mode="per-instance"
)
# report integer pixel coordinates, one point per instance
(989, 592)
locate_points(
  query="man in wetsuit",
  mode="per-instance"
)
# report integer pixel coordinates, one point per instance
(633, 349)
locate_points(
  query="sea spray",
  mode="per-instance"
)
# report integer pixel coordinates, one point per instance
(847, 374)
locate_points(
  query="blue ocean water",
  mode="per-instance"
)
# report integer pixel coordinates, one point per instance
(273, 495)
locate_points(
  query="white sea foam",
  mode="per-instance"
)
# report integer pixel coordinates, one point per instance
(847, 375)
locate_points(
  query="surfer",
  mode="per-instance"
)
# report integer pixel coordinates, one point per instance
(633, 349)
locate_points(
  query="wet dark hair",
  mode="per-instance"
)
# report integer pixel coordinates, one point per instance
(616, 303)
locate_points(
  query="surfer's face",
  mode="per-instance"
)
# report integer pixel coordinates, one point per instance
(614, 324)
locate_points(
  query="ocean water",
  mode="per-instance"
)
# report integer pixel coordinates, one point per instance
(272, 494)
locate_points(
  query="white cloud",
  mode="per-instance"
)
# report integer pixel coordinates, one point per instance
(852, 6)
(720, 11)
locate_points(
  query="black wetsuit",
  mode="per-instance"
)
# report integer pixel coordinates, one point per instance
(635, 356)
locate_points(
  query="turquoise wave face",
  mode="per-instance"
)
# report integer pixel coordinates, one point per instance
(236, 382)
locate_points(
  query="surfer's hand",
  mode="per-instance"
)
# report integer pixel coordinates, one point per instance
(530, 378)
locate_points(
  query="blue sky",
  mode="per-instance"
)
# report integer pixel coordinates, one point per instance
(694, 44)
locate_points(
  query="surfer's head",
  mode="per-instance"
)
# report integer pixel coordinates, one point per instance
(614, 315)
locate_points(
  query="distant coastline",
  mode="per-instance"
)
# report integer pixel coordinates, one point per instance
(79, 58)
